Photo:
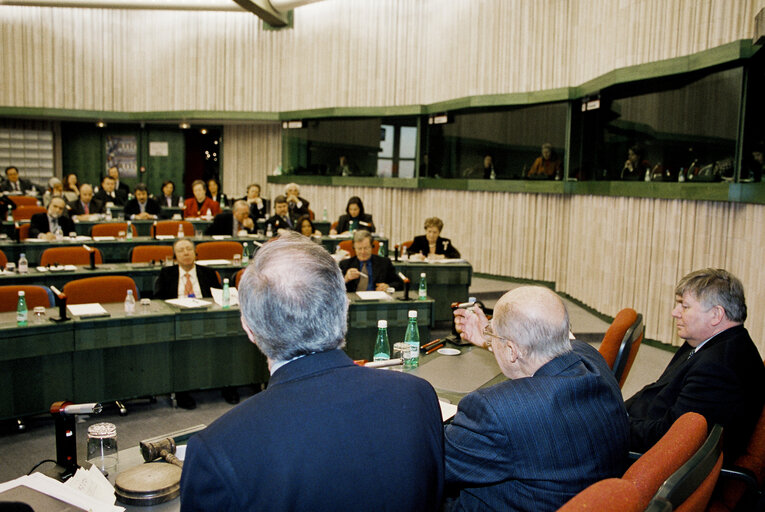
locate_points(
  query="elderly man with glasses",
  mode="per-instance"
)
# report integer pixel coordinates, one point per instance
(557, 426)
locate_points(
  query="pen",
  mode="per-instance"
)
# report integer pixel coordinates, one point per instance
(362, 274)
(430, 344)
(431, 350)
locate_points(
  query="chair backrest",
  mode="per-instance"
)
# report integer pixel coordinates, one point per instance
(23, 200)
(111, 229)
(218, 250)
(68, 256)
(621, 342)
(675, 448)
(170, 227)
(689, 488)
(99, 289)
(311, 215)
(347, 245)
(333, 226)
(34, 295)
(628, 350)
(407, 244)
(610, 495)
(238, 277)
(24, 231)
(3, 259)
(146, 253)
(25, 212)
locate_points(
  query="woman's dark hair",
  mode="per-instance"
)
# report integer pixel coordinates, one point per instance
(299, 224)
(165, 183)
(357, 201)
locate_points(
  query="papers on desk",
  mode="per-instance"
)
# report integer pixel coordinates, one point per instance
(213, 262)
(104, 238)
(447, 411)
(189, 303)
(446, 261)
(233, 296)
(58, 268)
(374, 296)
(220, 237)
(91, 310)
(34, 488)
(165, 237)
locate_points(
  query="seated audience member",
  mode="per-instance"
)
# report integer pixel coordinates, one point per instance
(354, 218)
(231, 223)
(547, 165)
(168, 198)
(107, 193)
(71, 188)
(119, 186)
(297, 205)
(431, 245)
(214, 192)
(367, 271)
(281, 217)
(86, 205)
(200, 205)
(304, 226)
(258, 207)
(326, 434)
(757, 164)
(636, 166)
(559, 424)
(13, 184)
(55, 189)
(44, 225)
(717, 373)
(142, 207)
(345, 167)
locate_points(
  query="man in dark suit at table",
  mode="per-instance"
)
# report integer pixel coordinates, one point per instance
(44, 225)
(86, 204)
(367, 271)
(142, 207)
(280, 220)
(326, 434)
(107, 194)
(187, 279)
(13, 184)
(717, 373)
(559, 424)
(119, 186)
(231, 223)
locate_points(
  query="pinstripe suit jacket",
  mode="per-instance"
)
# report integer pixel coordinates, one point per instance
(533, 443)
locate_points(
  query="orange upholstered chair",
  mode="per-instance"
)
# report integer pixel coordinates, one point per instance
(622, 341)
(170, 227)
(25, 212)
(610, 495)
(24, 231)
(34, 295)
(146, 253)
(3, 259)
(23, 200)
(333, 226)
(407, 244)
(238, 278)
(347, 245)
(99, 289)
(218, 250)
(112, 229)
(311, 215)
(68, 256)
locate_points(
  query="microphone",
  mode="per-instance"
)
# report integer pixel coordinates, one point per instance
(61, 303)
(70, 409)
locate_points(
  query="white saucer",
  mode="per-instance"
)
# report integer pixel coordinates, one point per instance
(448, 351)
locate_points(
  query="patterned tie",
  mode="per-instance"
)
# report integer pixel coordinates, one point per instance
(691, 353)
(188, 288)
(86, 208)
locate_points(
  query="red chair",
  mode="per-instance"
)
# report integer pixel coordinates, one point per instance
(146, 253)
(622, 341)
(68, 256)
(333, 226)
(25, 212)
(238, 278)
(112, 229)
(3, 259)
(23, 200)
(218, 250)
(34, 295)
(170, 227)
(311, 215)
(24, 231)
(406, 244)
(99, 289)
(347, 245)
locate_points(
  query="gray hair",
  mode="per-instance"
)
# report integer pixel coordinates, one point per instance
(716, 287)
(292, 297)
(536, 319)
(240, 203)
(360, 235)
(54, 181)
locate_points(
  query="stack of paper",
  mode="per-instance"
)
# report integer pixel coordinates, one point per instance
(88, 490)
(93, 309)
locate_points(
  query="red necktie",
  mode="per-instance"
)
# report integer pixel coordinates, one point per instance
(188, 288)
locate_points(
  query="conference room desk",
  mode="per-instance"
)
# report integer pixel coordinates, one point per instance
(83, 227)
(322, 225)
(447, 283)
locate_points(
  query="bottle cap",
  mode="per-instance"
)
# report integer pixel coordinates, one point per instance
(21, 294)
(225, 281)
(130, 292)
(412, 313)
(22, 255)
(422, 274)
(381, 324)
(471, 299)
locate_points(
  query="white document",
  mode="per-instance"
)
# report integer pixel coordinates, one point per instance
(104, 238)
(220, 237)
(189, 303)
(93, 309)
(233, 296)
(213, 262)
(60, 491)
(447, 261)
(93, 483)
(447, 410)
(373, 296)
(165, 237)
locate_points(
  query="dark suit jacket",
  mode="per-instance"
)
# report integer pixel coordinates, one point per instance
(166, 285)
(23, 184)
(382, 272)
(533, 443)
(223, 224)
(277, 223)
(119, 199)
(258, 213)
(132, 207)
(39, 224)
(443, 246)
(724, 382)
(325, 435)
(96, 206)
(344, 223)
(163, 201)
(296, 211)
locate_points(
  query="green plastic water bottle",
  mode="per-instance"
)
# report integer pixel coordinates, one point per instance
(21, 310)
(129, 231)
(382, 346)
(412, 338)
(383, 250)
(423, 289)
(226, 295)
(245, 254)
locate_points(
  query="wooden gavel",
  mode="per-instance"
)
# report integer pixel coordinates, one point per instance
(164, 449)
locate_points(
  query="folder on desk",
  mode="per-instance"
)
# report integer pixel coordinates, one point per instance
(91, 310)
(189, 303)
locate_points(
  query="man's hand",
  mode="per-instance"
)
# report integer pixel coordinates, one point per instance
(381, 287)
(248, 223)
(353, 273)
(470, 324)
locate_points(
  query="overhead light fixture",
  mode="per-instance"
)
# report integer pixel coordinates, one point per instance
(100, 124)
(203, 131)
(184, 126)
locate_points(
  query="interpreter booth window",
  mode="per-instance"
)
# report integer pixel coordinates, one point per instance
(676, 129)
(753, 151)
(496, 143)
(350, 147)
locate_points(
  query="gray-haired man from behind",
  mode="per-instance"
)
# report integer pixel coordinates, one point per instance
(326, 434)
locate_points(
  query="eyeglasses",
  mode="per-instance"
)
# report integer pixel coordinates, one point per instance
(489, 337)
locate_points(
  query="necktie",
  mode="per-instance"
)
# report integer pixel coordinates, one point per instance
(288, 221)
(188, 288)
(86, 208)
(691, 353)
(363, 282)
(17, 186)
(53, 224)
